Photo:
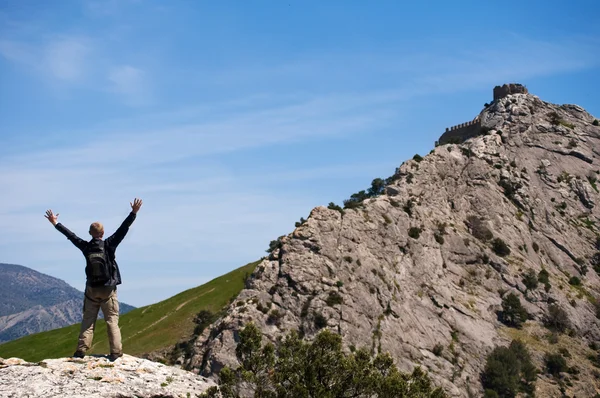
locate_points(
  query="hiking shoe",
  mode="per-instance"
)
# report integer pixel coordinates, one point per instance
(79, 354)
(114, 357)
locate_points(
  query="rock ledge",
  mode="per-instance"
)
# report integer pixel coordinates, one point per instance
(96, 376)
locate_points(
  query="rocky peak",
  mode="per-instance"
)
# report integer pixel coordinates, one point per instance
(421, 270)
(97, 377)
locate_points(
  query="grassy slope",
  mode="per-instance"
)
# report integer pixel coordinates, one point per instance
(144, 329)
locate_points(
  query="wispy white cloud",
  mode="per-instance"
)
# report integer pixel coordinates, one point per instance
(67, 58)
(64, 58)
(131, 83)
(17, 52)
(193, 212)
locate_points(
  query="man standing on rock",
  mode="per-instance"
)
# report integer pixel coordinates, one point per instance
(102, 277)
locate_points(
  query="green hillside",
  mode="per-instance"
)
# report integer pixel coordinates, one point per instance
(146, 329)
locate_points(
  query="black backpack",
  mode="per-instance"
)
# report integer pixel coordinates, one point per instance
(97, 269)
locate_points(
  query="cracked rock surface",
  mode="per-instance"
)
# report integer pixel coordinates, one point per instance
(97, 377)
(529, 180)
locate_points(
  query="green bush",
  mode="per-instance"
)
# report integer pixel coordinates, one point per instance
(320, 369)
(536, 247)
(530, 280)
(596, 122)
(274, 245)
(417, 158)
(438, 349)
(508, 371)
(575, 281)
(555, 364)
(202, 320)
(414, 232)
(334, 298)
(500, 247)
(300, 223)
(274, 317)
(544, 276)
(377, 187)
(320, 320)
(333, 206)
(557, 319)
(513, 313)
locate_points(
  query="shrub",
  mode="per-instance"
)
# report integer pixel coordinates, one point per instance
(530, 280)
(414, 232)
(564, 177)
(274, 244)
(202, 320)
(438, 349)
(408, 207)
(319, 368)
(557, 319)
(595, 261)
(334, 298)
(305, 308)
(333, 206)
(439, 238)
(377, 187)
(510, 188)
(555, 364)
(513, 314)
(536, 247)
(320, 320)
(544, 276)
(575, 281)
(299, 223)
(352, 204)
(500, 247)
(572, 141)
(595, 122)
(274, 317)
(417, 158)
(478, 229)
(554, 118)
(508, 371)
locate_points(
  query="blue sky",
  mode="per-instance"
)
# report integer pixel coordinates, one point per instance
(234, 119)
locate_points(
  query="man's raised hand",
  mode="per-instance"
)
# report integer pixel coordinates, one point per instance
(51, 217)
(136, 205)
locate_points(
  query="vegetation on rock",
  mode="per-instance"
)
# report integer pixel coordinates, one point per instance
(318, 369)
(509, 371)
(513, 314)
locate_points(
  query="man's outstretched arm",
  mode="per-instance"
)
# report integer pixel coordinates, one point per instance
(76, 240)
(116, 238)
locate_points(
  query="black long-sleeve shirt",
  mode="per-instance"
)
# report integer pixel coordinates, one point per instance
(110, 245)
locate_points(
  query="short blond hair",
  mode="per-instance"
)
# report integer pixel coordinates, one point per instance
(96, 230)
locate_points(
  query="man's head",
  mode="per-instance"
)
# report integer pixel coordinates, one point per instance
(97, 230)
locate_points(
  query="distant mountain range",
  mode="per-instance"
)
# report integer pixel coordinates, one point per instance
(32, 302)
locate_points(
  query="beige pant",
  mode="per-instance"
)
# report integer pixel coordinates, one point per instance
(96, 298)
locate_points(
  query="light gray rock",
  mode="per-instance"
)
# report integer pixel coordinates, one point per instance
(406, 294)
(97, 377)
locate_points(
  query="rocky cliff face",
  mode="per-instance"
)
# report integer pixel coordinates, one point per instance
(97, 377)
(415, 268)
(32, 302)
